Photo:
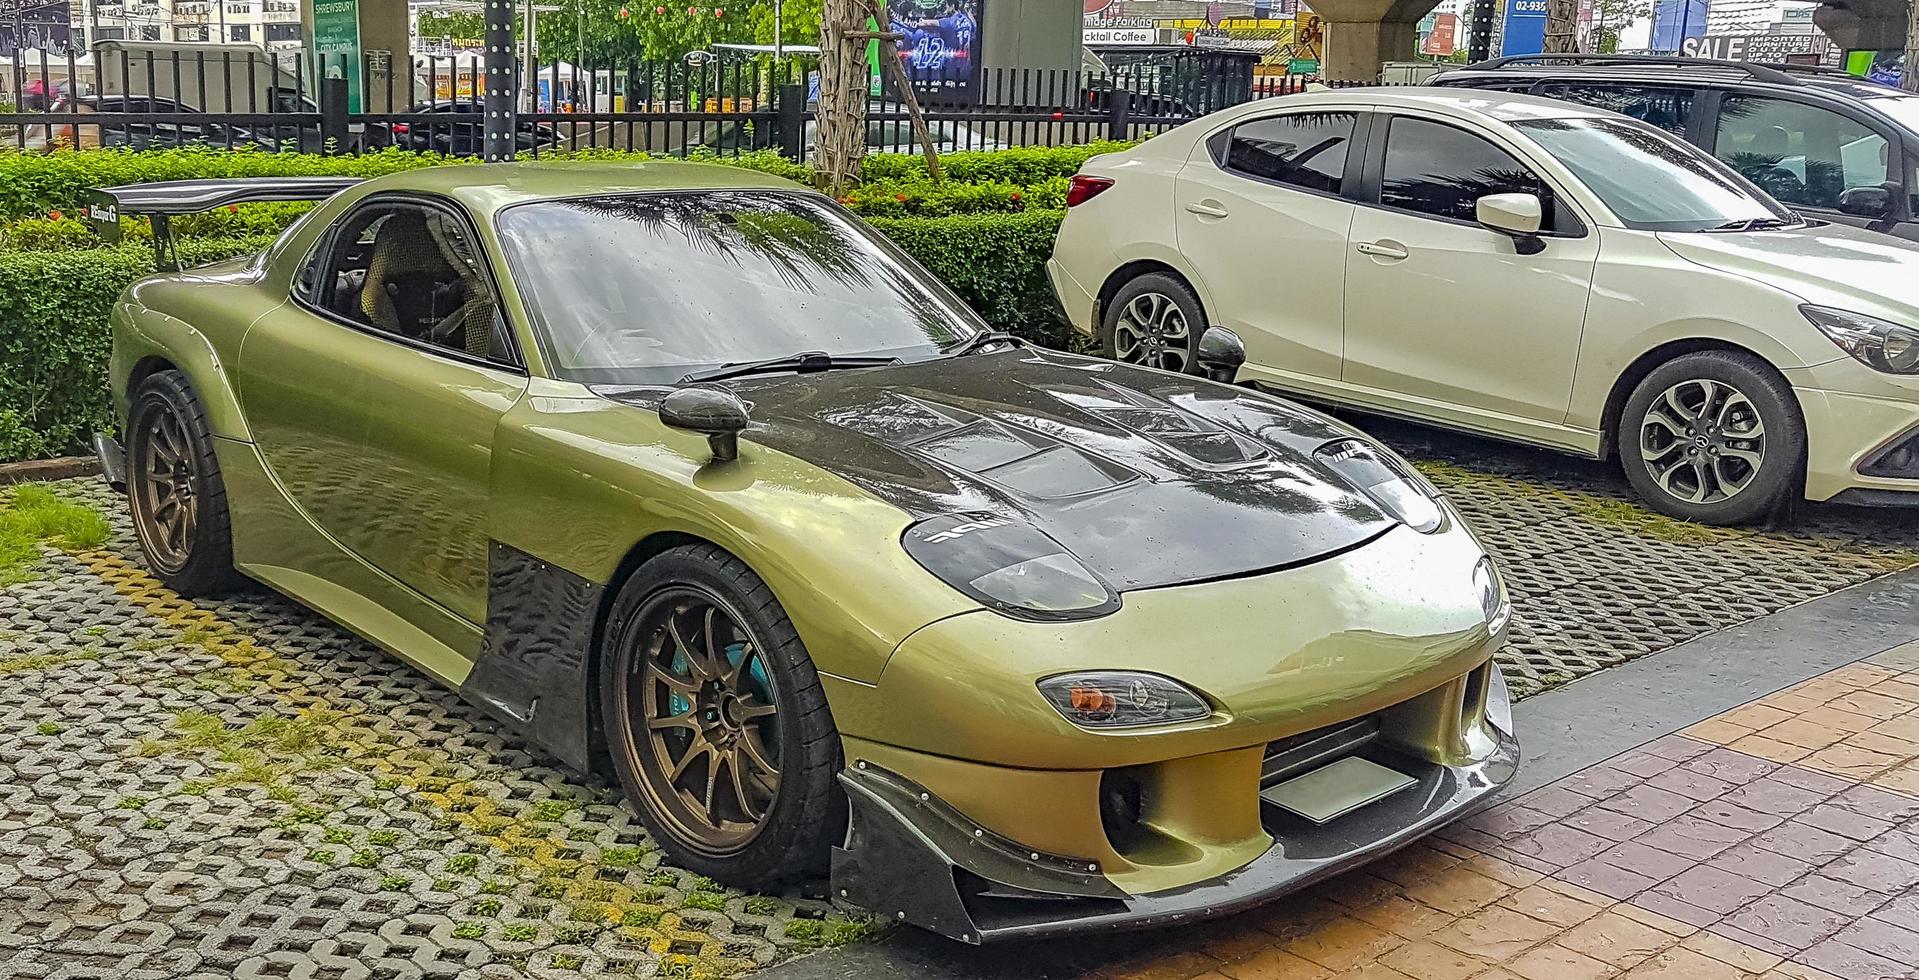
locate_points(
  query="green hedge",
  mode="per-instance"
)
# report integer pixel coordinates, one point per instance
(54, 340)
(54, 305)
(33, 184)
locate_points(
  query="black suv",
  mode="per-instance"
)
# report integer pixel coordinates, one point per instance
(1831, 145)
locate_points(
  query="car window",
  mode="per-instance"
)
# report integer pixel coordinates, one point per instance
(412, 271)
(1665, 108)
(1443, 171)
(648, 288)
(1651, 180)
(1798, 153)
(1304, 149)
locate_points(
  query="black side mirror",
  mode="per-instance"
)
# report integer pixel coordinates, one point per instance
(1866, 202)
(1221, 353)
(717, 413)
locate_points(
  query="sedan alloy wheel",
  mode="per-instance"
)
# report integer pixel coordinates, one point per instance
(1703, 441)
(1152, 330)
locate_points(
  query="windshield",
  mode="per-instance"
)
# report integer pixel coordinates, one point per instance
(647, 288)
(1651, 181)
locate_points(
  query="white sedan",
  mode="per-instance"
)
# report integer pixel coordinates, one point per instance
(1519, 267)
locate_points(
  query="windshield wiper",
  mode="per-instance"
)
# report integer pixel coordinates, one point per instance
(1753, 224)
(805, 362)
(981, 341)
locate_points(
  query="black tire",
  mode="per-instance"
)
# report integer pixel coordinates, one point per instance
(807, 814)
(171, 468)
(1169, 339)
(1726, 408)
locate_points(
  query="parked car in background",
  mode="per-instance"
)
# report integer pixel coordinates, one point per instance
(454, 127)
(687, 474)
(1521, 267)
(1833, 146)
(165, 127)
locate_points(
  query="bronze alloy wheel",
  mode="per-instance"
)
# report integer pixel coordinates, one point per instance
(705, 717)
(165, 487)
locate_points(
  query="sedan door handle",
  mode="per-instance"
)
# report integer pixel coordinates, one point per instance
(1382, 249)
(1206, 209)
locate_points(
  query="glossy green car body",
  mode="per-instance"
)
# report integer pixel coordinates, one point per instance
(476, 518)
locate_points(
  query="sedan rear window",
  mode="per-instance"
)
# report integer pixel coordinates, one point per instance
(649, 288)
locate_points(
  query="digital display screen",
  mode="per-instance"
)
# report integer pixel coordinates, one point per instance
(939, 44)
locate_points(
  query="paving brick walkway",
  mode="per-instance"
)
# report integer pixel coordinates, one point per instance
(1778, 841)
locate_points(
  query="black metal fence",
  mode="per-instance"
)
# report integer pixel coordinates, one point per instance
(158, 96)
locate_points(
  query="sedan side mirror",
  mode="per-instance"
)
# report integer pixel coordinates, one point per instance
(1515, 215)
(1866, 202)
(714, 412)
(1220, 354)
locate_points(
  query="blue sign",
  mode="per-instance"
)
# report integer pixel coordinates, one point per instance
(1673, 21)
(1525, 31)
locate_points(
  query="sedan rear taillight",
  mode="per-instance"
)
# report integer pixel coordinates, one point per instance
(1084, 188)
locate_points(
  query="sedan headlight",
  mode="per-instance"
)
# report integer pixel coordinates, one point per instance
(1878, 344)
(1103, 699)
(1388, 482)
(1491, 587)
(1009, 566)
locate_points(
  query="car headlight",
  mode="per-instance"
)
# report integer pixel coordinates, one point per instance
(1010, 566)
(1878, 344)
(1491, 587)
(1101, 699)
(1388, 482)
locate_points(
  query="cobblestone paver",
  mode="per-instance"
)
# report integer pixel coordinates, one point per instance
(1779, 841)
(239, 788)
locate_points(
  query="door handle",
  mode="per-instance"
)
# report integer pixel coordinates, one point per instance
(1383, 250)
(1206, 209)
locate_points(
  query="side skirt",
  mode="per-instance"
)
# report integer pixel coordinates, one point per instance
(532, 669)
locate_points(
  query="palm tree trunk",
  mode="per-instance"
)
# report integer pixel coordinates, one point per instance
(1909, 75)
(1562, 26)
(841, 130)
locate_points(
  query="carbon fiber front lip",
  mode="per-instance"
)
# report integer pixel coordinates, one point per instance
(1298, 859)
(908, 853)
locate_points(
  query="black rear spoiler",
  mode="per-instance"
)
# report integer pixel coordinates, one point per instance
(161, 200)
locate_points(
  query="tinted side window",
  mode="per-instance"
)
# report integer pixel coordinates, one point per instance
(1441, 171)
(1667, 108)
(1798, 153)
(1305, 149)
(412, 271)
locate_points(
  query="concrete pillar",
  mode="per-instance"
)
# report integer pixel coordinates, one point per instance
(1363, 34)
(1871, 24)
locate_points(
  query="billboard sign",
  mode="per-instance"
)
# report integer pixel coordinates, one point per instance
(1674, 21)
(1443, 38)
(1119, 35)
(336, 40)
(1763, 48)
(939, 43)
(1525, 31)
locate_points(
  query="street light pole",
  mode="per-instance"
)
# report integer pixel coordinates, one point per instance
(502, 78)
(779, 30)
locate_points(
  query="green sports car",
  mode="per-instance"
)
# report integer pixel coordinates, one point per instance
(685, 474)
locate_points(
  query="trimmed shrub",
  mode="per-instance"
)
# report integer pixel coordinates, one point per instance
(995, 262)
(54, 339)
(33, 184)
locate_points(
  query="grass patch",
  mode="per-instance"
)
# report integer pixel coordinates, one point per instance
(832, 932)
(45, 661)
(1628, 516)
(47, 728)
(32, 516)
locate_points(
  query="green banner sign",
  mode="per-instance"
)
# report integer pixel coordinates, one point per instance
(336, 42)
